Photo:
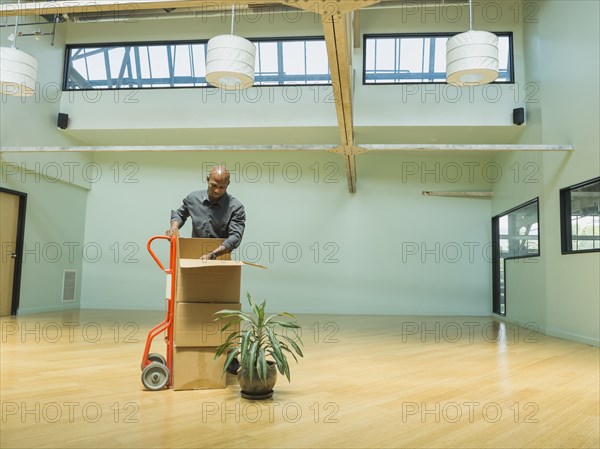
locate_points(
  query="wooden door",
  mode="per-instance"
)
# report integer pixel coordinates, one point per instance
(9, 219)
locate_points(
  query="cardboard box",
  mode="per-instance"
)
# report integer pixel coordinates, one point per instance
(206, 280)
(195, 369)
(195, 324)
(200, 286)
(194, 248)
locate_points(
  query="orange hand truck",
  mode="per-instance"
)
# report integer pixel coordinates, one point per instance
(157, 371)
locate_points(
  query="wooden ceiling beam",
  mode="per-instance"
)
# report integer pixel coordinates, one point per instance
(325, 8)
(356, 29)
(338, 39)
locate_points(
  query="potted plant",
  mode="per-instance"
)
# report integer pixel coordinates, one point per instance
(261, 344)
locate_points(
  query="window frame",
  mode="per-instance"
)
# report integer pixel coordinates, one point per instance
(566, 235)
(498, 271)
(71, 46)
(509, 34)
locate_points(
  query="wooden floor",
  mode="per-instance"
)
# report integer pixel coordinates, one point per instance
(72, 380)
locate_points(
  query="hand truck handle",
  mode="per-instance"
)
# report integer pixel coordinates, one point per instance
(165, 237)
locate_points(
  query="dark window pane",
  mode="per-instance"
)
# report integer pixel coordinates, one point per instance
(580, 217)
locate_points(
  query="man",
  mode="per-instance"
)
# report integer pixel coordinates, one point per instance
(214, 213)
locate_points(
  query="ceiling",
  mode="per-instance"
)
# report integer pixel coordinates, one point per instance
(340, 22)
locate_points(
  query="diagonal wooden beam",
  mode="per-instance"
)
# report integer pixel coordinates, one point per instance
(350, 164)
(338, 32)
(356, 29)
(337, 42)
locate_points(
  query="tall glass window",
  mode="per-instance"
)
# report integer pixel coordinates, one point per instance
(580, 217)
(420, 58)
(515, 235)
(183, 64)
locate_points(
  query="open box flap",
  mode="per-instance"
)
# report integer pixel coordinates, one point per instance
(197, 263)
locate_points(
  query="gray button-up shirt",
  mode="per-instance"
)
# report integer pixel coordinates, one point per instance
(224, 219)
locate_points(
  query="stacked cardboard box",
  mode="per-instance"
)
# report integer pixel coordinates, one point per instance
(203, 288)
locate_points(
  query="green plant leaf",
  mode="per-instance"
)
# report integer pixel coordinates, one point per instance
(247, 318)
(225, 313)
(288, 324)
(294, 345)
(278, 362)
(281, 363)
(273, 342)
(261, 366)
(278, 352)
(253, 305)
(244, 345)
(229, 358)
(259, 337)
(228, 343)
(285, 348)
(252, 356)
(261, 313)
(229, 324)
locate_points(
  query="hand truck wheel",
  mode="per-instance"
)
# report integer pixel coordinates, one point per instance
(155, 376)
(155, 357)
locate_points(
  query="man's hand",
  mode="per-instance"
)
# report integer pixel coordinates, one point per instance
(171, 231)
(174, 229)
(209, 256)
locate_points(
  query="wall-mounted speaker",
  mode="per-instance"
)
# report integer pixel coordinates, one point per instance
(62, 121)
(519, 116)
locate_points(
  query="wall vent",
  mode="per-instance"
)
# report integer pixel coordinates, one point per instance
(69, 285)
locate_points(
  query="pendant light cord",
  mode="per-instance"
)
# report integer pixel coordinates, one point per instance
(470, 15)
(14, 42)
(232, 16)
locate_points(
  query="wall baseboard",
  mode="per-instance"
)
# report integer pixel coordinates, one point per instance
(552, 332)
(44, 309)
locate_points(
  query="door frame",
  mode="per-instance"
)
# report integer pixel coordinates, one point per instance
(16, 291)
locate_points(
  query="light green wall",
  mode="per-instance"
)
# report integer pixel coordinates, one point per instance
(564, 63)
(31, 121)
(573, 304)
(54, 226)
(56, 183)
(519, 285)
(385, 249)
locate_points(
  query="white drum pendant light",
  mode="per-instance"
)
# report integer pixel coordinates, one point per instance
(230, 61)
(472, 57)
(18, 70)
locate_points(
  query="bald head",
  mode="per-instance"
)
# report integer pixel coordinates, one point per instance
(218, 180)
(219, 173)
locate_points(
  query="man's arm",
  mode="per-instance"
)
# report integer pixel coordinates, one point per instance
(174, 228)
(178, 218)
(235, 229)
(216, 253)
